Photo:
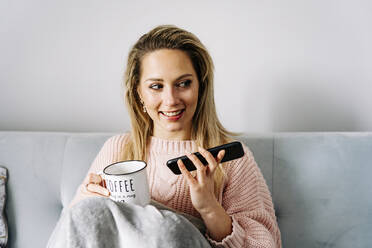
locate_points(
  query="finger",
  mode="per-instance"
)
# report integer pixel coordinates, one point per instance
(93, 178)
(220, 156)
(96, 188)
(190, 179)
(201, 170)
(208, 156)
(212, 161)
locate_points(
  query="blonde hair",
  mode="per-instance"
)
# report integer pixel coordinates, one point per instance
(207, 131)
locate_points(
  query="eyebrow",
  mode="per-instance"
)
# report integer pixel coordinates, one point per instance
(161, 80)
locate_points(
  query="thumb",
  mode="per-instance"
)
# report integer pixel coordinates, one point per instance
(220, 155)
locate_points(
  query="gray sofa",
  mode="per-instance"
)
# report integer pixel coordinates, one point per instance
(320, 182)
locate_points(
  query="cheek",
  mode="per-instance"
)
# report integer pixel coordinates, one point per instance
(194, 101)
(151, 100)
(191, 102)
(193, 98)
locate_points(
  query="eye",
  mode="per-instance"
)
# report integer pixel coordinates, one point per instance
(155, 86)
(185, 84)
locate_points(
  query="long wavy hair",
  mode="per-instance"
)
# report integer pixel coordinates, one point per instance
(207, 131)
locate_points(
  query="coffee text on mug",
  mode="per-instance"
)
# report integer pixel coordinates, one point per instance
(120, 185)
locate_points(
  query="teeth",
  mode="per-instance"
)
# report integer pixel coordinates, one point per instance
(172, 113)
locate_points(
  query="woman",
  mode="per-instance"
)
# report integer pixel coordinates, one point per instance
(169, 95)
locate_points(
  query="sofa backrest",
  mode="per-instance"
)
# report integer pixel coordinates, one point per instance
(321, 186)
(44, 170)
(320, 183)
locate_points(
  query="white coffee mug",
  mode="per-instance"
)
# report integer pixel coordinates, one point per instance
(127, 182)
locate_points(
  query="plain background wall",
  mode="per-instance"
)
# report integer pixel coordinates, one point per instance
(286, 65)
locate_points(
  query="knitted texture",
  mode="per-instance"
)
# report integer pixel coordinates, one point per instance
(244, 194)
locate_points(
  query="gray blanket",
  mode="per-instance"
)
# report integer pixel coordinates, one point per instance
(101, 222)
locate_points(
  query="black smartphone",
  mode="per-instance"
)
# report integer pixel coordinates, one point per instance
(233, 151)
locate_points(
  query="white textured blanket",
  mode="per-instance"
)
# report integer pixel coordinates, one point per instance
(101, 222)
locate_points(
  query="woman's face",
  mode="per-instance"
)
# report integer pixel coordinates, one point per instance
(169, 89)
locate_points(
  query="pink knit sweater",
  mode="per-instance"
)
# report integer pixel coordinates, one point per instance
(244, 194)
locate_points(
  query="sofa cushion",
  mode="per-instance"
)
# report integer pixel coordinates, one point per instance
(322, 189)
(33, 204)
(80, 151)
(320, 183)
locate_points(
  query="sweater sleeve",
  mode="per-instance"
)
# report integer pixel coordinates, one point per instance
(246, 198)
(110, 153)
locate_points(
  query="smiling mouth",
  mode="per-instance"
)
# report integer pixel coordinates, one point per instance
(172, 113)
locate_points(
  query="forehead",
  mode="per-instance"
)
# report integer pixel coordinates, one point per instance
(166, 64)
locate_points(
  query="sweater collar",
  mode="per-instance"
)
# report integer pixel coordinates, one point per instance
(171, 146)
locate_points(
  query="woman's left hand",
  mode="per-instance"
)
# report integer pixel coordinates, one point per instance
(202, 185)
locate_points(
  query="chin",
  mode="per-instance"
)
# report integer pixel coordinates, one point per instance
(174, 127)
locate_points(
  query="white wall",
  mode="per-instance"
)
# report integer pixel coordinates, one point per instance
(285, 65)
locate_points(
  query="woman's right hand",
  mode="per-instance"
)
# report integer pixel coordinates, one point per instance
(94, 185)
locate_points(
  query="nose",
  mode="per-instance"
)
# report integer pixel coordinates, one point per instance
(170, 97)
